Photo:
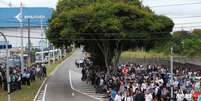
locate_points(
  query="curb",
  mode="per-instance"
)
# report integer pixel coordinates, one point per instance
(53, 72)
(40, 89)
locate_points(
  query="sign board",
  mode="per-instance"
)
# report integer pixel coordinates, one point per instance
(34, 17)
(4, 46)
(10, 17)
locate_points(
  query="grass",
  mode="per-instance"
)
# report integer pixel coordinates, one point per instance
(51, 67)
(28, 93)
(141, 54)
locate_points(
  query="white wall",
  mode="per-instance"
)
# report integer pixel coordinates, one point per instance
(16, 41)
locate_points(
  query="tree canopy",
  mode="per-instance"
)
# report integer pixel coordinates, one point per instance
(187, 43)
(107, 27)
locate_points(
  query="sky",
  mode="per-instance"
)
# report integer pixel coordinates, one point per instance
(184, 16)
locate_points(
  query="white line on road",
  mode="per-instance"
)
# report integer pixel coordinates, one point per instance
(44, 93)
(71, 85)
(52, 73)
(38, 92)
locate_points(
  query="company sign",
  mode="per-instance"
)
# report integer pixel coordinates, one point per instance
(34, 16)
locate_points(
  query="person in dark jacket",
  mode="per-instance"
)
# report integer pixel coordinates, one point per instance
(140, 96)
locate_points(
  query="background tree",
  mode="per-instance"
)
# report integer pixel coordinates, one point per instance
(197, 32)
(186, 43)
(108, 27)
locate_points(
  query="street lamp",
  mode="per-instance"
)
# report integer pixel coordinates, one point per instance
(7, 67)
(171, 70)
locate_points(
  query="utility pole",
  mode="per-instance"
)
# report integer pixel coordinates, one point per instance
(42, 39)
(171, 70)
(29, 44)
(53, 54)
(22, 46)
(7, 68)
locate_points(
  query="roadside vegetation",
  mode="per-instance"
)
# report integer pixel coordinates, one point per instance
(142, 54)
(184, 43)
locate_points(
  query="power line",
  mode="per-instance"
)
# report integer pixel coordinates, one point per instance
(179, 4)
(184, 17)
(187, 26)
(187, 23)
(61, 38)
(45, 24)
(106, 34)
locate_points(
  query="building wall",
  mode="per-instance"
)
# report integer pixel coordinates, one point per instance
(11, 34)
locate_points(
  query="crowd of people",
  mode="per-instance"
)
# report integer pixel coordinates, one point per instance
(138, 82)
(24, 78)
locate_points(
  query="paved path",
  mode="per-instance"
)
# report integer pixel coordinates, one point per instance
(85, 87)
(58, 86)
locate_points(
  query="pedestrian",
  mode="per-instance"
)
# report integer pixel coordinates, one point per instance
(139, 96)
(148, 96)
(38, 71)
(44, 70)
(1, 79)
(113, 95)
(19, 81)
(33, 73)
(28, 80)
(199, 97)
(195, 95)
(24, 79)
(180, 96)
(83, 74)
(13, 82)
(118, 97)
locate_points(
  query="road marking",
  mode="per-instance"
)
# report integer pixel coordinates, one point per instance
(71, 85)
(39, 90)
(52, 73)
(44, 93)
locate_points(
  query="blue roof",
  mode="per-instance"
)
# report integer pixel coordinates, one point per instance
(7, 16)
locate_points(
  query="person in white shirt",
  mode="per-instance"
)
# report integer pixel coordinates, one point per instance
(129, 98)
(101, 82)
(188, 96)
(148, 96)
(180, 96)
(118, 97)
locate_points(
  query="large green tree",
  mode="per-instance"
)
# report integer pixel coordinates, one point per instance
(107, 27)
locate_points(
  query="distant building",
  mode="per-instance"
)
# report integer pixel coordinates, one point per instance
(10, 26)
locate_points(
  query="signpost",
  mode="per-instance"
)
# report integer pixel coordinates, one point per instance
(41, 17)
(20, 18)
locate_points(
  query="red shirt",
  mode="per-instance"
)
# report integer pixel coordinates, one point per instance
(195, 95)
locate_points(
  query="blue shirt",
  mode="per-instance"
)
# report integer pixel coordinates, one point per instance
(113, 94)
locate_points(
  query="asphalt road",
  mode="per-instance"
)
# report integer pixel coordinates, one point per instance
(58, 85)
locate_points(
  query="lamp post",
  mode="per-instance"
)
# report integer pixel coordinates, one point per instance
(171, 70)
(7, 68)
